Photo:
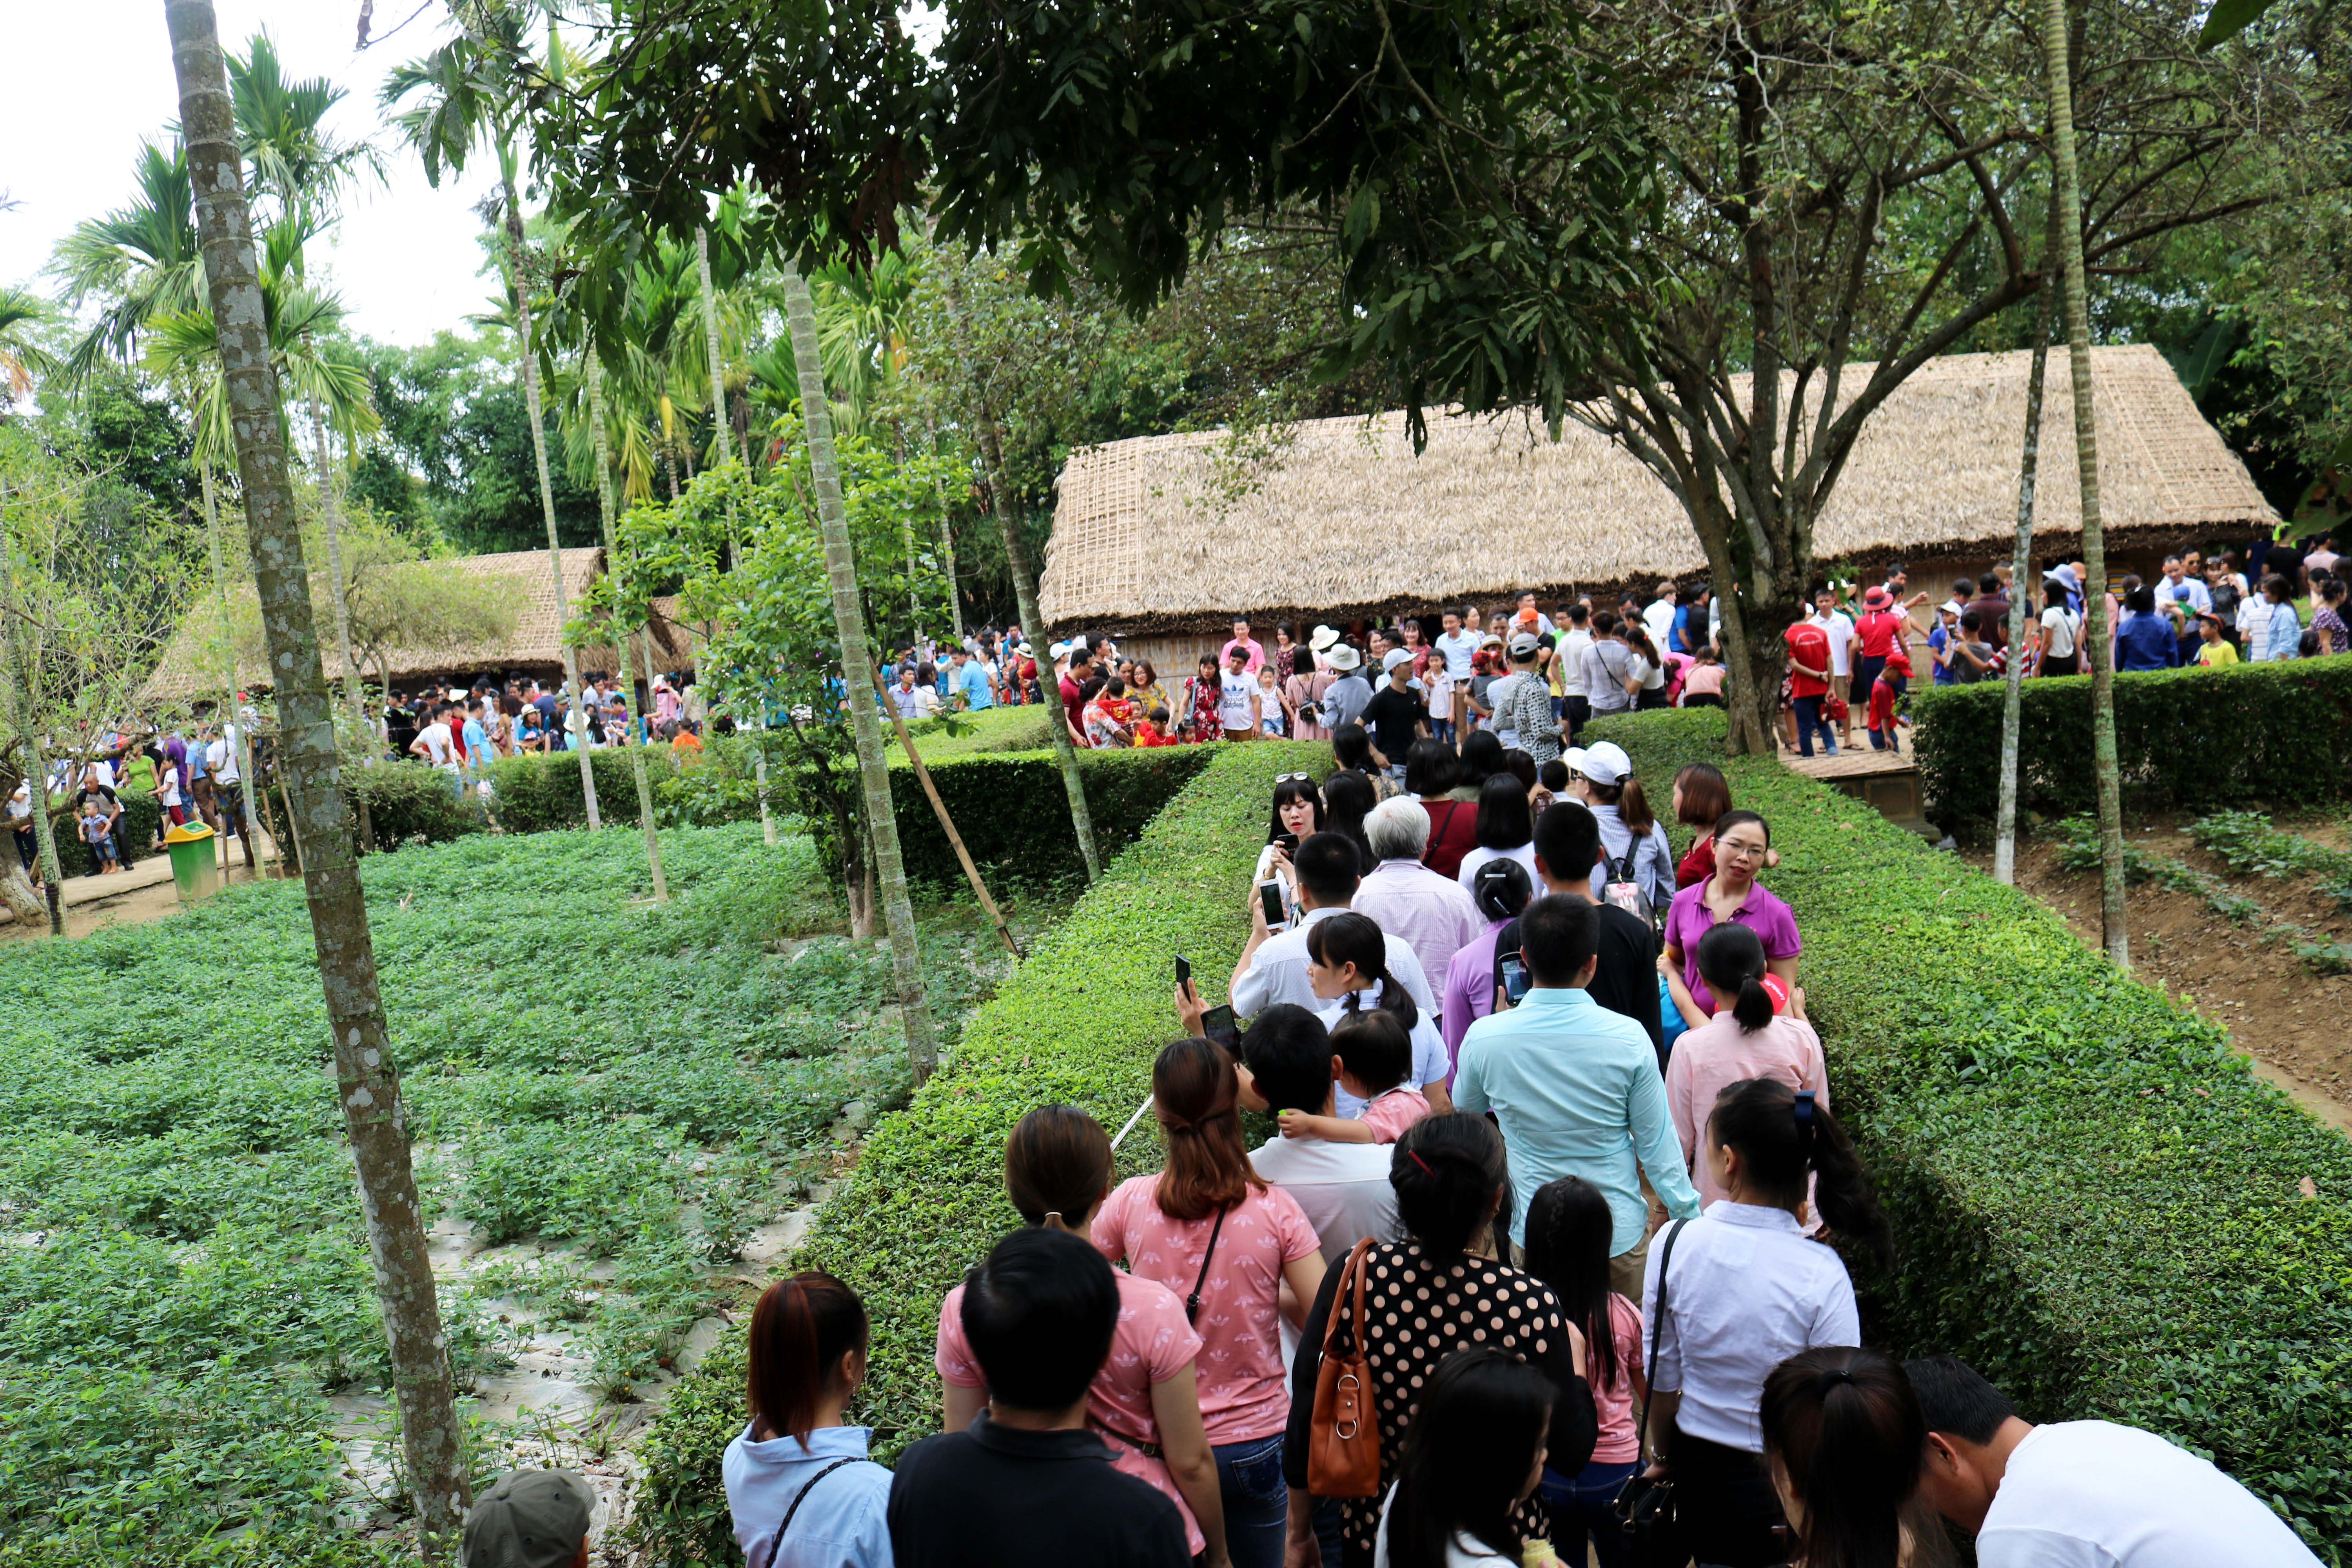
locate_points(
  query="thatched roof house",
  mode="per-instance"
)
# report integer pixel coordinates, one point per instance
(533, 650)
(1348, 521)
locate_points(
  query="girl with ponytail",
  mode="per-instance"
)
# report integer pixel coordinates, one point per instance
(1762, 1033)
(1145, 1403)
(1442, 1289)
(1224, 1243)
(807, 1359)
(1348, 968)
(1843, 1435)
(1745, 1288)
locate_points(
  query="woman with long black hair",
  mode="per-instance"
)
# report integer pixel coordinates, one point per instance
(1470, 1458)
(1348, 797)
(1297, 815)
(1570, 1230)
(1844, 1437)
(1736, 1292)
(1440, 1289)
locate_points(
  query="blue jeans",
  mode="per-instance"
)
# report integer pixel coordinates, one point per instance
(1442, 731)
(1584, 1504)
(1258, 1502)
(1808, 718)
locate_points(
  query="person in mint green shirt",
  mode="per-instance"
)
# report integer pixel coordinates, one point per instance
(1575, 1088)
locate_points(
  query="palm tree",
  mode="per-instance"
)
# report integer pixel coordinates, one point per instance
(367, 1085)
(292, 159)
(476, 89)
(22, 312)
(140, 258)
(2105, 769)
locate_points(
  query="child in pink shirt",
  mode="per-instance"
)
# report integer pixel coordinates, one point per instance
(1755, 1037)
(1371, 1056)
(1570, 1231)
(1057, 1167)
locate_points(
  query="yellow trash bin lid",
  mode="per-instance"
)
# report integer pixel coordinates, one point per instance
(188, 833)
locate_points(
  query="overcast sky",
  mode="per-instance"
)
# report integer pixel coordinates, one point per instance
(88, 79)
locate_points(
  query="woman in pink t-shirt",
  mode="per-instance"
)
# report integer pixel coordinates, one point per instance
(1143, 1403)
(1760, 1035)
(1570, 1231)
(1212, 1231)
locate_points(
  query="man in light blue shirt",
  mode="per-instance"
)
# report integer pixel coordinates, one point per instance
(969, 681)
(1575, 1088)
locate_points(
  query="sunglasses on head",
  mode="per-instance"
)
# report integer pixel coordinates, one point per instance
(1288, 778)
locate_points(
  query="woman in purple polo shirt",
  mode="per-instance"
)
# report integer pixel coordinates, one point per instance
(1741, 842)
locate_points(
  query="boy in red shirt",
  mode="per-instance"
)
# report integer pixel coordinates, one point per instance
(1153, 731)
(1886, 688)
(1809, 682)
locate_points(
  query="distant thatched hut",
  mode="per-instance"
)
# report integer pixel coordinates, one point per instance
(1347, 521)
(533, 650)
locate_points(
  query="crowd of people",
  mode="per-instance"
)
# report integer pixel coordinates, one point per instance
(1543, 1250)
(462, 731)
(193, 770)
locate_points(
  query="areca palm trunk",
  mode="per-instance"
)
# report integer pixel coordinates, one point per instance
(856, 671)
(252, 785)
(17, 712)
(620, 633)
(2105, 769)
(734, 543)
(367, 1085)
(330, 524)
(522, 288)
(2012, 711)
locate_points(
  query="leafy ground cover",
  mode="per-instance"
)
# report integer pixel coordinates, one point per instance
(629, 1089)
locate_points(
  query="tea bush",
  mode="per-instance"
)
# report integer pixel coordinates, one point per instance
(183, 1276)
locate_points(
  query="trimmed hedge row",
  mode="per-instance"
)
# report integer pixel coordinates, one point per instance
(408, 802)
(1079, 1022)
(2193, 740)
(2097, 1204)
(1021, 729)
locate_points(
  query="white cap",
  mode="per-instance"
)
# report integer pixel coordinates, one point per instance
(1394, 657)
(1058, 650)
(1604, 762)
(1524, 643)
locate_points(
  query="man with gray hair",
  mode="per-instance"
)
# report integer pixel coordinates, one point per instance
(1434, 914)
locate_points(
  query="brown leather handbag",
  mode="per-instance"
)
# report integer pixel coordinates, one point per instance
(1343, 1438)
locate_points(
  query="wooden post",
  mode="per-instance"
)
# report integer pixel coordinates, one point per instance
(923, 775)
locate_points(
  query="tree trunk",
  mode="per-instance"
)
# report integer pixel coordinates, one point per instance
(620, 632)
(734, 543)
(366, 1083)
(1024, 592)
(841, 570)
(332, 525)
(2106, 771)
(2012, 711)
(244, 741)
(947, 551)
(520, 284)
(18, 714)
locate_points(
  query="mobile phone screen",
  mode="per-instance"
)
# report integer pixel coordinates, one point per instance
(1184, 969)
(1269, 894)
(1515, 981)
(1218, 1024)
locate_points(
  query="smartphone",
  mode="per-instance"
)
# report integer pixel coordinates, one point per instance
(1269, 896)
(1289, 841)
(1183, 970)
(1218, 1024)
(1514, 979)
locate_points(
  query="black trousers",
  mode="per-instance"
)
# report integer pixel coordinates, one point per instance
(1724, 1499)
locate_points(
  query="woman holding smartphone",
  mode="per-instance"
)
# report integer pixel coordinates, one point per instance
(1297, 814)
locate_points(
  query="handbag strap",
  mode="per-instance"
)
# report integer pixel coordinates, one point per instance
(1649, 1366)
(776, 1541)
(1192, 1301)
(1353, 1269)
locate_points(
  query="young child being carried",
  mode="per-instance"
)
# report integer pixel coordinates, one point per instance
(1371, 1056)
(98, 832)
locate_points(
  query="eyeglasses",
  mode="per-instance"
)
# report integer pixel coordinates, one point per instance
(1743, 851)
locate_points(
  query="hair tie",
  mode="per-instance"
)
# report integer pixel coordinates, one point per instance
(1414, 1156)
(1052, 1220)
(1804, 1113)
(1831, 1377)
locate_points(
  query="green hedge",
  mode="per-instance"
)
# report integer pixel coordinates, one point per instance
(1023, 729)
(408, 802)
(2192, 740)
(1079, 1022)
(1010, 807)
(2097, 1204)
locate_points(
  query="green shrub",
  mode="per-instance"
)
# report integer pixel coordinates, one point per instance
(539, 790)
(1024, 729)
(2189, 740)
(409, 803)
(1080, 1022)
(2096, 1202)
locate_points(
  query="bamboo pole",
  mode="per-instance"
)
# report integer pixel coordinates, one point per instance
(963, 856)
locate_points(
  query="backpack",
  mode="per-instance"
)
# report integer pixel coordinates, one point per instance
(1624, 891)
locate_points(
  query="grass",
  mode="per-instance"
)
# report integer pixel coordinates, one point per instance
(633, 1088)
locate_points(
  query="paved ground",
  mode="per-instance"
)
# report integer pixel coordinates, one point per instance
(144, 892)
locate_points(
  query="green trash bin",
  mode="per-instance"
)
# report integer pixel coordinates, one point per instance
(194, 871)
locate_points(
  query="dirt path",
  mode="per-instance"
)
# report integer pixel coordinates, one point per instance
(142, 893)
(2292, 1022)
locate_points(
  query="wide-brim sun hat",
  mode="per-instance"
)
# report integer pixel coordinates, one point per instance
(1877, 599)
(1025, 651)
(1342, 656)
(1603, 763)
(1323, 638)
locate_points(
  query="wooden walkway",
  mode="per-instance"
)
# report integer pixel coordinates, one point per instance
(1852, 762)
(1888, 781)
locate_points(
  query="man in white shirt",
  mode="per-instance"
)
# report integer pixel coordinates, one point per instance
(2082, 1494)
(1526, 617)
(1659, 619)
(433, 744)
(1838, 627)
(1458, 643)
(1238, 707)
(1343, 1187)
(1569, 655)
(1272, 967)
(2186, 591)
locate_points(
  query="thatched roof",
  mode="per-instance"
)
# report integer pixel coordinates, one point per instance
(535, 644)
(1349, 520)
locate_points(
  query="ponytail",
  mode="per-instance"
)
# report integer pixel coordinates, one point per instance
(800, 1331)
(1845, 1428)
(1782, 1137)
(1633, 809)
(1351, 938)
(1731, 961)
(1197, 1095)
